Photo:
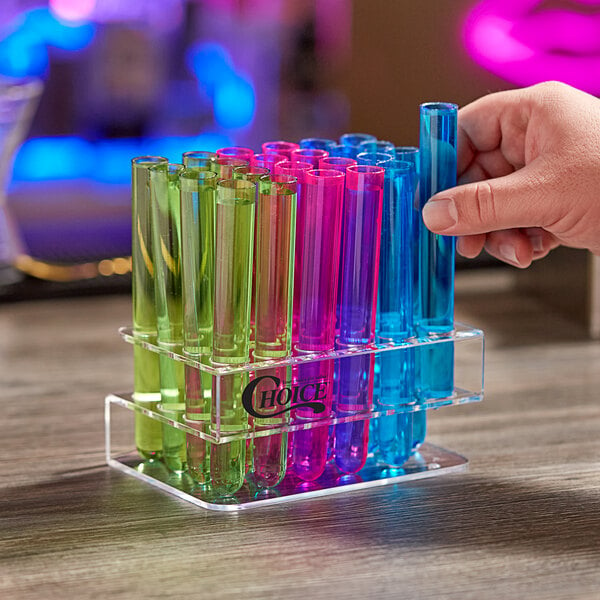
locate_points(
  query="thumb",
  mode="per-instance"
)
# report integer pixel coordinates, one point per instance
(517, 200)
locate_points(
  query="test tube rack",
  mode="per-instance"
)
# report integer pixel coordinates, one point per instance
(464, 343)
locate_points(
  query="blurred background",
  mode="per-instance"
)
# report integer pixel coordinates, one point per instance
(85, 85)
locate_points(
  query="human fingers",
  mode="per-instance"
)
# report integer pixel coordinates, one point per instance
(470, 246)
(525, 198)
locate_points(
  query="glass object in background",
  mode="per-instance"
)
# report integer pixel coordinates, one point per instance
(18, 102)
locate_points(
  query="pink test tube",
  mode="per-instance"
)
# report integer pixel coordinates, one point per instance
(280, 147)
(309, 155)
(267, 160)
(236, 152)
(337, 163)
(297, 170)
(320, 213)
(225, 166)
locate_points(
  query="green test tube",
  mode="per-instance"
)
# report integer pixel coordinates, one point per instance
(234, 242)
(275, 243)
(197, 230)
(166, 228)
(200, 160)
(146, 382)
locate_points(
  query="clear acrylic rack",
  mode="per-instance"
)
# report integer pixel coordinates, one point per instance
(249, 424)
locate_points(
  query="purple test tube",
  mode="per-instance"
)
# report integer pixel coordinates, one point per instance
(358, 307)
(320, 214)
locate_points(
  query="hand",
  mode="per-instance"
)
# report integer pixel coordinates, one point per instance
(529, 175)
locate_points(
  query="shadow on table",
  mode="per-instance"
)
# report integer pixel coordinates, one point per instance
(102, 506)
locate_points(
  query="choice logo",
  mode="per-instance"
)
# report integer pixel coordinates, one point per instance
(274, 394)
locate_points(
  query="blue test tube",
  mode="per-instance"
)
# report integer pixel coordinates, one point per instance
(341, 151)
(438, 133)
(359, 269)
(395, 314)
(317, 143)
(354, 140)
(376, 146)
(374, 159)
(411, 154)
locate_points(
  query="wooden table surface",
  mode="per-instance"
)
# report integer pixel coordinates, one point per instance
(522, 523)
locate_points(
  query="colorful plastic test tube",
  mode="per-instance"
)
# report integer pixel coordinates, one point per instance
(411, 154)
(236, 152)
(372, 146)
(395, 314)
(337, 163)
(166, 242)
(225, 165)
(267, 161)
(280, 147)
(438, 133)
(234, 243)
(317, 143)
(200, 160)
(342, 151)
(275, 242)
(321, 211)
(353, 141)
(255, 174)
(297, 170)
(198, 190)
(375, 159)
(146, 384)
(309, 155)
(358, 307)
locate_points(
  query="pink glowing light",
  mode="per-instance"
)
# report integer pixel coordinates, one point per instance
(73, 10)
(525, 43)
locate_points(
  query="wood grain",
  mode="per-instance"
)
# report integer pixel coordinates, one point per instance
(524, 522)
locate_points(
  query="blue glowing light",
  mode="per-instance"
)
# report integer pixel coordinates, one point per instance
(211, 64)
(53, 158)
(105, 161)
(22, 55)
(23, 51)
(60, 34)
(235, 103)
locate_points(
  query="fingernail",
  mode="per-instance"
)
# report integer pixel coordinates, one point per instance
(508, 253)
(537, 242)
(440, 214)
